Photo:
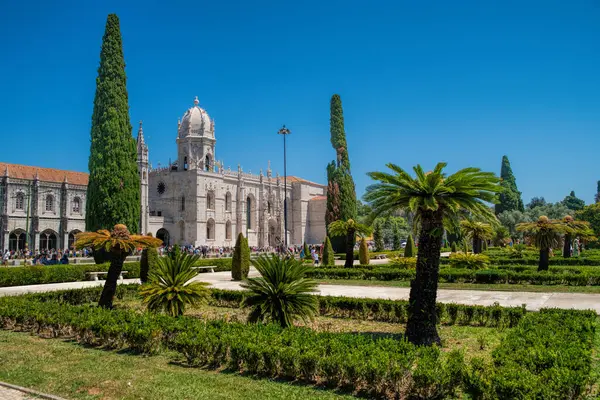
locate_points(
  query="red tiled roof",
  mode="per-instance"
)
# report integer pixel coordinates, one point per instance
(44, 174)
(318, 198)
(293, 179)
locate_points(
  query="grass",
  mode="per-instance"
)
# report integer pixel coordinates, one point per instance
(67, 369)
(504, 287)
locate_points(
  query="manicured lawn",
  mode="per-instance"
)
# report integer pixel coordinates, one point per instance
(67, 369)
(472, 286)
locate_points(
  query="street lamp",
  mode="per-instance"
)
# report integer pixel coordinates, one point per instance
(284, 131)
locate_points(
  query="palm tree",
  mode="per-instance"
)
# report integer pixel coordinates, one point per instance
(349, 229)
(477, 231)
(170, 288)
(436, 200)
(281, 293)
(574, 229)
(118, 243)
(545, 234)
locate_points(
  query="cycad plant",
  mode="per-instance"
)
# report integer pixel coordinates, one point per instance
(118, 244)
(436, 200)
(349, 229)
(170, 288)
(573, 229)
(281, 294)
(545, 235)
(477, 232)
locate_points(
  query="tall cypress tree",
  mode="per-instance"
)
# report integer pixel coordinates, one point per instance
(341, 194)
(597, 198)
(113, 192)
(510, 197)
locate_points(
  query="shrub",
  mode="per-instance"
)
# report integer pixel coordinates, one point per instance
(404, 262)
(453, 247)
(307, 255)
(469, 260)
(240, 262)
(410, 249)
(363, 252)
(328, 254)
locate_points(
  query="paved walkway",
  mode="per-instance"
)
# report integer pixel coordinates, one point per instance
(222, 280)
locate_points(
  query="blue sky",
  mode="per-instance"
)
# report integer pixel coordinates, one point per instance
(464, 82)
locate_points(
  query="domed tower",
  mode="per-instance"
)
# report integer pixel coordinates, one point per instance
(196, 140)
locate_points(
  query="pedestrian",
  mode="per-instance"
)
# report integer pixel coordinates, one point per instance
(315, 256)
(5, 258)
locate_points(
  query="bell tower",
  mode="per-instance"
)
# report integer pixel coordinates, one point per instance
(143, 166)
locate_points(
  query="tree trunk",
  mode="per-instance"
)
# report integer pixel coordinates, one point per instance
(350, 249)
(544, 260)
(567, 246)
(421, 326)
(476, 245)
(144, 266)
(117, 257)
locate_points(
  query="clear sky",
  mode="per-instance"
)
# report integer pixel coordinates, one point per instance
(460, 81)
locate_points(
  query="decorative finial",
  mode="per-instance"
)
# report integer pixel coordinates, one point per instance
(269, 165)
(6, 171)
(66, 180)
(196, 101)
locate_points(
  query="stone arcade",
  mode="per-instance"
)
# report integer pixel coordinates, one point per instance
(194, 201)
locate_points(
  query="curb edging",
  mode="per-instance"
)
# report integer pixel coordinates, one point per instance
(31, 392)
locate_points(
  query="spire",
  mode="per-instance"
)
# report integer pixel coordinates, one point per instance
(6, 171)
(196, 101)
(140, 137)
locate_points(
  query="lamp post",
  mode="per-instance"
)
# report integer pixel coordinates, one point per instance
(284, 131)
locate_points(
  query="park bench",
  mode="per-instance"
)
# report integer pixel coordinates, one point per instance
(211, 268)
(380, 257)
(94, 275)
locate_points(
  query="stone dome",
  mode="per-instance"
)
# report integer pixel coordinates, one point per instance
(195, 122)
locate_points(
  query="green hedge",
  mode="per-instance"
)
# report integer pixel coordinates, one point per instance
(42, 274)
(548, 355)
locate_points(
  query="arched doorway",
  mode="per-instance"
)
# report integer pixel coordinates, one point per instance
(273, 233)
(16, 240)
(163, 235)
(48, 240)
(72, 237)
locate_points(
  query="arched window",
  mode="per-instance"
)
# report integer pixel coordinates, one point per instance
(182, 203)
(207, 163)
(228, 230)
(210, 200)
(20, 201)
(49, 203)
(16, 240)
(248, 213)
(269, 207)
(228, 201)
(72, 237)
(48, 240)
(77, 205)
(185, 164)
(210, 229)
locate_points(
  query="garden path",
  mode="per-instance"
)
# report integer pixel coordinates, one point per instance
(222, 280)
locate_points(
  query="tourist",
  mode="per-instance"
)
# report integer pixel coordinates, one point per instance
(315, 256)
(5, 258)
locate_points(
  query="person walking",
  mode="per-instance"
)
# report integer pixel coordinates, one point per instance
(5, 258)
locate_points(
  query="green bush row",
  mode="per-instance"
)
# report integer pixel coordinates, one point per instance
(534, 260)
(547, 356)
(450, 275)
(371, 365)
(372, 254)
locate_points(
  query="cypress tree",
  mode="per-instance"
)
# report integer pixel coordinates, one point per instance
(113, 191)
(397, 238)
(453, 248)
(341, 194)
(240, 262)
(378, 237)
(363, 253)
(328, 255)
(307, 255)
(245, 264)
(572, 202)
(410, 250)
(510, 198)
(597, 198)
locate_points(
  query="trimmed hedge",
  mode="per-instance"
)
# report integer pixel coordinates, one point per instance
(42, 274)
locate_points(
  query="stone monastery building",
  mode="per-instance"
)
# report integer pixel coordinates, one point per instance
(193, 201)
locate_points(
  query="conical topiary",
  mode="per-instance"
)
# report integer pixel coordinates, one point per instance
(453, 247)
(245, 265)
(363, 253)
(240, 263)
(410, 249)
(307, 255)
(328, 254)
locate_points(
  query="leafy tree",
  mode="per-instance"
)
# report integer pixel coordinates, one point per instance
(573, 229)
(510, 197)
(550, 210)
(378, 237)
(363, 252)
(573, 203)
(410, 250)
(501, 233)
(536, 202)
(591, 214)
(328, 254)
(170, 289)
(436, 199)
(240, 262)
(476, 231)
(545, 234)
(349, 229)
(148, 261)
(341, 194)
(362, 211)
(118, 244)
(282, 293)
(113, 191)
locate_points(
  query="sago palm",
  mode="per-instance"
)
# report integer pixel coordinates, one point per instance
(573, 229)
(118, 243)
(436, 200)
(545, 235)
(349, 229)
(170, 288)
(476, 231)
(282, 293)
